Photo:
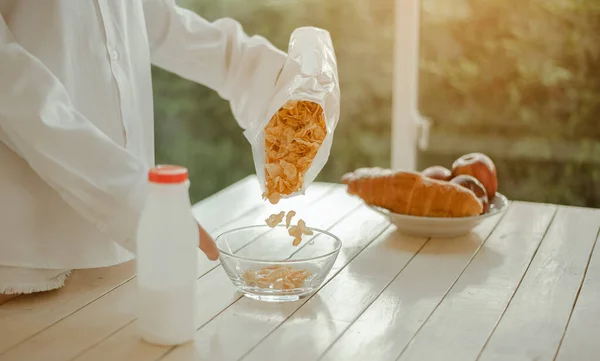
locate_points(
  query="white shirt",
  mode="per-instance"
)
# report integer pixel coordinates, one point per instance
(76, 119)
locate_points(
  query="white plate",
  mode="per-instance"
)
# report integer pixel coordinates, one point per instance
(440, 226)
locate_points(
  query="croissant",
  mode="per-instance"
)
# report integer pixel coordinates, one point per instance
(411, 193)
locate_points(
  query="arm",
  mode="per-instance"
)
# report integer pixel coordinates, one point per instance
(218, 55)
(94, 175)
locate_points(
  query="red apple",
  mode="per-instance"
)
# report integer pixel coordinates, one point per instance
(479, 166)
(437, 172)
(475, 186)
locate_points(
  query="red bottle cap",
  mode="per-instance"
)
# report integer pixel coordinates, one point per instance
(168, 174)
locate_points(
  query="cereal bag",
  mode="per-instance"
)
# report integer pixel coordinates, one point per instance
(292, 143)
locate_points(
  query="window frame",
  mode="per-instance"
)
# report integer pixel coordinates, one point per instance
(406, 118)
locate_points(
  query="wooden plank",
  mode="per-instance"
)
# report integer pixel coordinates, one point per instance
(117, 309)
(534, 322)
(580, 340)
(245, 194)
(386, 327)
(236, 330)
(460, 325)
(125, 344)
(27, 315)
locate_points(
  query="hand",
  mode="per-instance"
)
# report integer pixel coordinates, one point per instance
(207, 244)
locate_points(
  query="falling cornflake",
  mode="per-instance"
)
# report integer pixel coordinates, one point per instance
(295, 231)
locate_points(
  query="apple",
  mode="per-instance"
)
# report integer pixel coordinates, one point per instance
(437, 172)
(475, 186)
(479, 166)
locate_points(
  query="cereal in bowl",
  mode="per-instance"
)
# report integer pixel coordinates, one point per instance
(277, 277)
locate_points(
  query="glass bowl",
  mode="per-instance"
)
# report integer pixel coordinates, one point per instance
(263, 263)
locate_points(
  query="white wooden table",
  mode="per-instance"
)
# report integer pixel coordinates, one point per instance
(523, 286)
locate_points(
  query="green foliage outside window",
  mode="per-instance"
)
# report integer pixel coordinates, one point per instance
(518, 78)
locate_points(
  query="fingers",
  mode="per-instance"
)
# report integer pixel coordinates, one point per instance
(207, 244)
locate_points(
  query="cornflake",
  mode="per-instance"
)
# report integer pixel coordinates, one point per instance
(292, 138)
(288, 218)
(275, 219)
(276, 277)
(303, 228)
(298, 230)
(295, 231)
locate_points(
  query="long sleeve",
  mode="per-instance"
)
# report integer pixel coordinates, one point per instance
(219, 55)
(98, 178)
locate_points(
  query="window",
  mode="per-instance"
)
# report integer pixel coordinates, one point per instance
(519, 81)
